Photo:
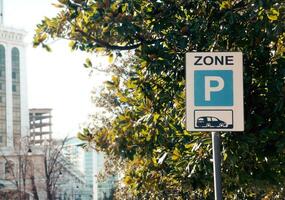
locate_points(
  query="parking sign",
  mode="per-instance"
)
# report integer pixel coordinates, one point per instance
(214, 91)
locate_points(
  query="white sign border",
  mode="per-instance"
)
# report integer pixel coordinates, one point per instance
(238, 107)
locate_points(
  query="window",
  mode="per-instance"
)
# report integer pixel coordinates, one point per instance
(214, 119)
(13, 75)
(15, 58)
(1, 100)
(2, 57)
(14, 88)
(1, 86)
(2, 127)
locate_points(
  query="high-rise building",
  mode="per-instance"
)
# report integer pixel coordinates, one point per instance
(74, 153)
(14, 122)
(91, 163)
(23, 166)
(102, 189)
(40, 125)
(84, 161)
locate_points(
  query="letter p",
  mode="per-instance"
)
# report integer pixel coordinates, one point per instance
(209, 88)
(213, 88)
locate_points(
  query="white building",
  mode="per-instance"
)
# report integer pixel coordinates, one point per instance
(14, 115)
(91, 163)
(84, 162)
(102, 190)
(74, 153)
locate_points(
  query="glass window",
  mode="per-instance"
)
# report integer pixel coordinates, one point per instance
(1, 100)
(14, 88)
(13, 75)
(2, 57)
(1, 86)
(15, 57)
(214, 119)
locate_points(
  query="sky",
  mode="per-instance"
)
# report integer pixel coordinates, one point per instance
(58, 79)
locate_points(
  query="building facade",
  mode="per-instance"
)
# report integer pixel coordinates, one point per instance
(84, 162)
(40, 125)
(14, 122)
(29, 167)
(102, 189)
(91, 163)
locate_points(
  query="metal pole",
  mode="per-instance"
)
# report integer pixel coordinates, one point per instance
(20, 163)
(216, 142)
(20, 170)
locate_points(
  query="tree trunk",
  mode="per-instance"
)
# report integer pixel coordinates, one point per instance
(49, 193)
(34, 188)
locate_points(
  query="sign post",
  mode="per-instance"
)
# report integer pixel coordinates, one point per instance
(214, 99)
(216, 143)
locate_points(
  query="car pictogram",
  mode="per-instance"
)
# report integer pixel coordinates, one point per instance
(210, 122)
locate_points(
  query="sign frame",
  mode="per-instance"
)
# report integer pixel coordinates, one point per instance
(217, 95)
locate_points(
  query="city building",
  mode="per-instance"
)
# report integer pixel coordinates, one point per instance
(91, 163)
(24, 159)
(102, 189)
(74, 153)
(40, 125)
(14, 121)
(71, 183)
(83, 159)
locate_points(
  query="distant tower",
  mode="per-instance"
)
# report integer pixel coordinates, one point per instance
(1, 12)
(40, 125)
(14, 114)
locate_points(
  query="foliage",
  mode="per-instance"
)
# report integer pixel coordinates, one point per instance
(163, 159)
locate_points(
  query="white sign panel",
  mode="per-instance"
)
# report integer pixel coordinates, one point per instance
(214, 91)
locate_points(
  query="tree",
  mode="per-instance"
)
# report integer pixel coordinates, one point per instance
(52, 167)
(164, 160)
(49, 166)
(31, 173)
(52, 172)
(16, 170)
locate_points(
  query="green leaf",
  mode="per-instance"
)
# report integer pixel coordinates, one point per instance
(63, 1)
(225, 155)
(57, 5)
(189, 145)
(88, 63)
(109, 84)
(72, 44)
(116, 80)
(82, 137)
(225, 5)
(46, 47)
(111, 58)
(176, 154)
(124, 7)
(273, 14)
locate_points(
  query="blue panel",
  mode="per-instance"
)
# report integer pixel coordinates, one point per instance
(213, 88)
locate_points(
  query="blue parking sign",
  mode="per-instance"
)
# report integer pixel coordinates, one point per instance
(213, 88)
(214, 91)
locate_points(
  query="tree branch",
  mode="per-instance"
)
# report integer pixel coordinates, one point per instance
(116, 47)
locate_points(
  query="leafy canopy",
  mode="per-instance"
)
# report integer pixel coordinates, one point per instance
(148, 95)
